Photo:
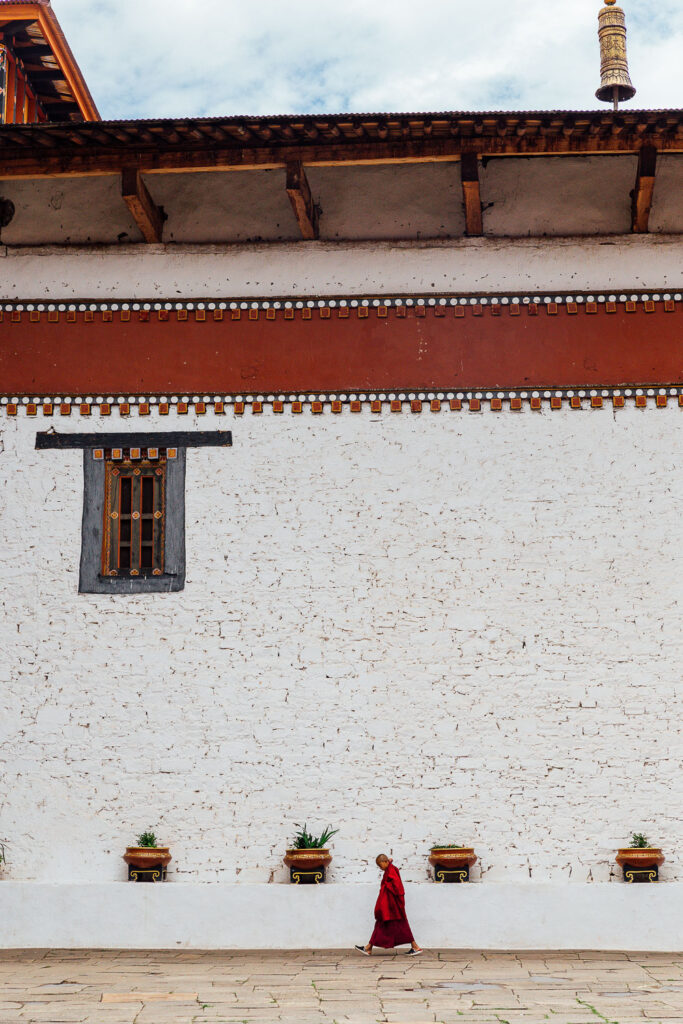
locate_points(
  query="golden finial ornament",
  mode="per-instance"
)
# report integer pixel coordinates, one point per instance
(616, 83)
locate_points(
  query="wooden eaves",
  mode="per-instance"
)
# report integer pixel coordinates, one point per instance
(42, 44)
(107, 147)
(133, 148)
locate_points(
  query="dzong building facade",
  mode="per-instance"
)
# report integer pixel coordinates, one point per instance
(340, 482)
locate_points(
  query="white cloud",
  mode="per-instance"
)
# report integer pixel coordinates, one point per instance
(174, 58)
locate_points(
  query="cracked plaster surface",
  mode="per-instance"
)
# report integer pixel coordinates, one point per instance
(419, 629)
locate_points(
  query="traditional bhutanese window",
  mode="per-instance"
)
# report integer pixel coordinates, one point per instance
(133, 519)
(134, 512)
(133, 532)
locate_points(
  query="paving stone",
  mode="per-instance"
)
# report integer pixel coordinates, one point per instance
(149, 997)
(304, 987)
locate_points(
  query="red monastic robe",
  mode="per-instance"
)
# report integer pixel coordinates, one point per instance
(391, 927)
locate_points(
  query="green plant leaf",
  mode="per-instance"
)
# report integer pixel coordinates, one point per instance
(147, 840)
(305, 840)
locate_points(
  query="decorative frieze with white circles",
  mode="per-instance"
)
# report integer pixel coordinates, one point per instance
(457, 306)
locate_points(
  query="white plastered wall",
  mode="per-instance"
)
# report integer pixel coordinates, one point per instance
(478, 265)
(558, 195)
(498, 916)
(454, 627)
(521, 196)
(459, 626)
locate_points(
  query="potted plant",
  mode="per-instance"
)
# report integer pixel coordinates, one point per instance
(452, 863)
(308, 856)
(640, 862)
(147, 861)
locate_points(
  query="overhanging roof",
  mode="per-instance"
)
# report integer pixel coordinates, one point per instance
(35, 36)
(344, 176)
(244, 142)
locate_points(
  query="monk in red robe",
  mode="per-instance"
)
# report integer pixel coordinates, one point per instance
(391, 923)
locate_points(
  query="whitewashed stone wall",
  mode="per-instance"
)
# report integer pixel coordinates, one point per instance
(454, 627)
(165, 272)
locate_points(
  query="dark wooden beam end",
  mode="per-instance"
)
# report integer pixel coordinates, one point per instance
(644, 191)
(147, 215)
(299, 193)
(471, 194)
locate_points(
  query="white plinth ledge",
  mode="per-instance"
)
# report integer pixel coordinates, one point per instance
(494, 916)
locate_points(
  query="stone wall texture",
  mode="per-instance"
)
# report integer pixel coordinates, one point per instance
(419, 628)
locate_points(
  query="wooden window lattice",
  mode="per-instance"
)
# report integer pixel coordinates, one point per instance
(134, 504)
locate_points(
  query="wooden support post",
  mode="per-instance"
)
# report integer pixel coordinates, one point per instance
(147, 215)
(299, 192)
(471, 193)
(644, 190)
(10, 88)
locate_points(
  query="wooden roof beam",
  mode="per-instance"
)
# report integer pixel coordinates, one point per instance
(44, 74)
(10, 28)
(147, 215)
(471, 194)
(165, 147)
(32, 49)
(299, 192)
(644, 190)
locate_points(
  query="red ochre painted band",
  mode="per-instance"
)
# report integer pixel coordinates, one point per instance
(333, 350)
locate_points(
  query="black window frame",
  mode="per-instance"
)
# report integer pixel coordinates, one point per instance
(92, 580)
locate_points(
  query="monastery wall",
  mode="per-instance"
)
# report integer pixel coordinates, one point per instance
(468, 265)
(419, 628)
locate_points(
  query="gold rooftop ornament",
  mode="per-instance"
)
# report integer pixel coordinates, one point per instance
(616, 82)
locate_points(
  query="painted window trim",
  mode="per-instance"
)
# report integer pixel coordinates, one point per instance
(91, 580)
(47, 439)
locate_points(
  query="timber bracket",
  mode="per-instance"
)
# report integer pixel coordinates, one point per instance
(147, 215)
(471, 194)
(642, 195)
(306, 211)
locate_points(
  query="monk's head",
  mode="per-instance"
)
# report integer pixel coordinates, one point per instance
(383, 861)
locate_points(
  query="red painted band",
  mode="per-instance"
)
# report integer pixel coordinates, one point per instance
(408, 349)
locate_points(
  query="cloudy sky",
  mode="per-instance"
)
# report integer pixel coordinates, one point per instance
(174, 58)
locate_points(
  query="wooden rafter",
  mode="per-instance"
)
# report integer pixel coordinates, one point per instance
(37, 33)
(231, 144)
(10, 28)
(644, 190)
(471, 193)
(147, 215)
(45, 74)
(299, 192)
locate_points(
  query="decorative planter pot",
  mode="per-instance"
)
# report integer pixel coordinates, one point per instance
(452, 864)
(307, 867)
(641, 865)
(147, 863)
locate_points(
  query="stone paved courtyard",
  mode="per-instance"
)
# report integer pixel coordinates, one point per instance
(57, 987)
